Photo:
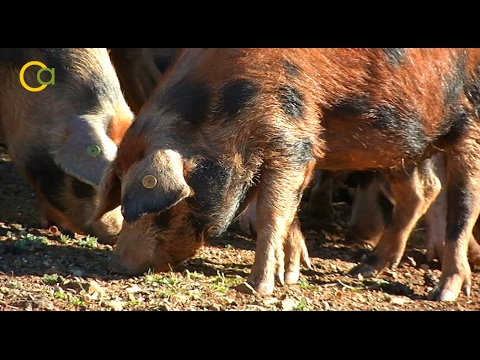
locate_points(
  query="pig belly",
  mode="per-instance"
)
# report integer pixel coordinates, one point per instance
(364, 145)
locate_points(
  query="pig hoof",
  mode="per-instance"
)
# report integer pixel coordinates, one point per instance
(363, 270)
(438, 294)
(291, 277)
(264, 289)
(246, 288)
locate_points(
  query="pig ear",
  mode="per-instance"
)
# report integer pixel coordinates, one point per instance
(108, 192)
(86, 150)
(153, 185)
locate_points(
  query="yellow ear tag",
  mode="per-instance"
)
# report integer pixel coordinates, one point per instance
(94, 150)
(149, 181)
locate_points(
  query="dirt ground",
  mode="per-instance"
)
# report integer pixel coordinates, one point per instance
(43, 269)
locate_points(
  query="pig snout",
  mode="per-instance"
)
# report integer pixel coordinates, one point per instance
(118, 266)
(141, 246)
(107, 228)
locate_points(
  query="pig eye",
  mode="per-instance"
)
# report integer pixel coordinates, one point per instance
(94, 150)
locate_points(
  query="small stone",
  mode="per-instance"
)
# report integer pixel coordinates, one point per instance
(115, 305)
(288, 304)
(77, 273)
(133, 288)
(400, 300)
(246, 288)
(94, 287)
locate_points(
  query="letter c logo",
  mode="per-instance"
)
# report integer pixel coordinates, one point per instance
(43, 68)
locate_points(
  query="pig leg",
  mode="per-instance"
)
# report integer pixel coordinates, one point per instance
(463, 207)
(436, 221)
(320, 199)
(280, 244)
(295, 252)
(413, 190)
(474, 246)
(436, 215)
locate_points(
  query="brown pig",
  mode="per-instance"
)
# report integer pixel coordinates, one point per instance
(226, 124)
(61, 137)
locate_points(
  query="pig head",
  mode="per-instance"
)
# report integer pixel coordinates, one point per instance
(171, 202)
(62, 138)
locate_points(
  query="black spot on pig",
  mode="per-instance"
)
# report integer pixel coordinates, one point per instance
(216, 200)
(209, 182)
(17, 57)
(290, 68)
(236, 96)
(354, 106)
(49, 177)
(296, 152)
(394, 122)
(396, 56)
(292, 101)
(189, 100)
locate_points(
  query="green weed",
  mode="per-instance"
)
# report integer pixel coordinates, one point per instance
(302, 306)
(222, 283)
(51, 279)
(30, 242)
(64, 239)
(88, 242)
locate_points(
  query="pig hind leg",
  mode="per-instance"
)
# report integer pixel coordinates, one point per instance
(320, 197)
(436, 219)
(413, 190)
(463, 206)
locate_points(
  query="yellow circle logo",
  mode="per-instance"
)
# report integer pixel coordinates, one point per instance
(40, 81)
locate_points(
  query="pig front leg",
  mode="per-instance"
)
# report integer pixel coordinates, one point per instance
(281, 247)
